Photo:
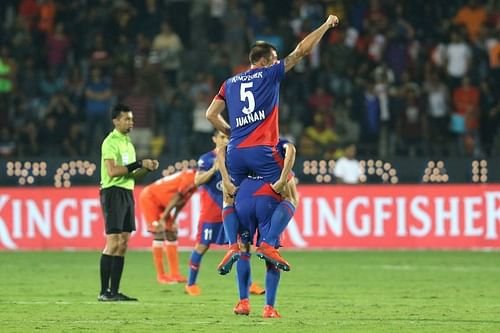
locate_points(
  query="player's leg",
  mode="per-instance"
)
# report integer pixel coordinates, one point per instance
(157, 251)
(119, 259)
(267, 204)
(191, 287)
(118, 207)
(117, 268)
(106, 263)
(231, 224)
(246, 212)
(208, 234)
(283, 214)
(243, 277)
(151, 213)
(272, 282)
(238, 171)
(171, 245)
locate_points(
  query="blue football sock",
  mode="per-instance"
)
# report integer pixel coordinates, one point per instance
(194, 267)
(279, 220)
(272, 280)
(243, 274)
(231, 223)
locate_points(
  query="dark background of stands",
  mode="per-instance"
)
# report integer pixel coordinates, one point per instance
(393, 78)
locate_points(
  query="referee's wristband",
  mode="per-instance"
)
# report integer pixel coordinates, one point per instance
(134, 166)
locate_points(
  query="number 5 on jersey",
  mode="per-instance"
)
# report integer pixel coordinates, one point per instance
(247, 94)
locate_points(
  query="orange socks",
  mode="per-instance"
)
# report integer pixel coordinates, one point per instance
(158, 257)
(172, 257)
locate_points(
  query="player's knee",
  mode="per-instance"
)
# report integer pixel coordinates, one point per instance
(122, 246)
(201, 248)
(171, 236)
(112, 244)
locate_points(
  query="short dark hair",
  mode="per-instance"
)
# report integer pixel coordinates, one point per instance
(118, 109)
(260, 49)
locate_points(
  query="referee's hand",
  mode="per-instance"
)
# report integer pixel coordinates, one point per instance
(151, 165)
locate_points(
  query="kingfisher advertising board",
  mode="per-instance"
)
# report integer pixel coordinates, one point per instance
(328, 216)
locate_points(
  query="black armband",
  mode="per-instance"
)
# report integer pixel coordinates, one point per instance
(134, 166)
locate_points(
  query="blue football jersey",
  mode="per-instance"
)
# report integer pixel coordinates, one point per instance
(210, 192)
(252, 99)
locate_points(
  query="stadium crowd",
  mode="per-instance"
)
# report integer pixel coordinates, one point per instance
(398, 77)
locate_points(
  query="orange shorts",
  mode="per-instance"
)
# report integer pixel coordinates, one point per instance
(152, 211)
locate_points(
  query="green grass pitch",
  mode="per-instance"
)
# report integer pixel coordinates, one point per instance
(326, 291)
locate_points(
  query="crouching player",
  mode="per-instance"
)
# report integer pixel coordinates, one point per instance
(285, 186)
(255, 204)
(160, 203)
(253, 208)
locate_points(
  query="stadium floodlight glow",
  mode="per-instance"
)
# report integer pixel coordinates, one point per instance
(480, 171)
(384, 170)
(67, 170)
(435, 172)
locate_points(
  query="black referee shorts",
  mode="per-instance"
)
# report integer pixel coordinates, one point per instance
(118, 208)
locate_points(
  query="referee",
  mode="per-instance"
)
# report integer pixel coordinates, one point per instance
(119, 169)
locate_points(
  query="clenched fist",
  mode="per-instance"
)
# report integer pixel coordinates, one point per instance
(332, 21)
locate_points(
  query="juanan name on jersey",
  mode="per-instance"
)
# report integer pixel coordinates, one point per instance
(250, 118)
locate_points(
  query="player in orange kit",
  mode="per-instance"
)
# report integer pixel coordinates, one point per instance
(160, 203)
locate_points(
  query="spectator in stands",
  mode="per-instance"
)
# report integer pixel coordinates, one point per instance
(458, 57)
(98, 101)
(347, 169)
(438, 101)
(58, 47)
(144, 118)
(324, 137)
(490, 116)
(465, 117)
(472, 15)
(411, 125)
(8, 72)
(168, 47)
(74, 144)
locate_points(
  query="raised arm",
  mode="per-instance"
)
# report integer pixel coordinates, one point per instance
(308, 43)
(214, 116)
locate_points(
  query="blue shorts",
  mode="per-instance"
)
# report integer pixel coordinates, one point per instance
(211, 233)
(255, 204)
(262, 161)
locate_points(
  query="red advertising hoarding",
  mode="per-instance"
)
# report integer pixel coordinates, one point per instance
(328, 216)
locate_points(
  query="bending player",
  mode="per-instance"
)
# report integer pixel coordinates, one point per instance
(160, 203)
(252, 101)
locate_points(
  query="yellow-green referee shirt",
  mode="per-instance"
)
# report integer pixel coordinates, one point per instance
(118, 147)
